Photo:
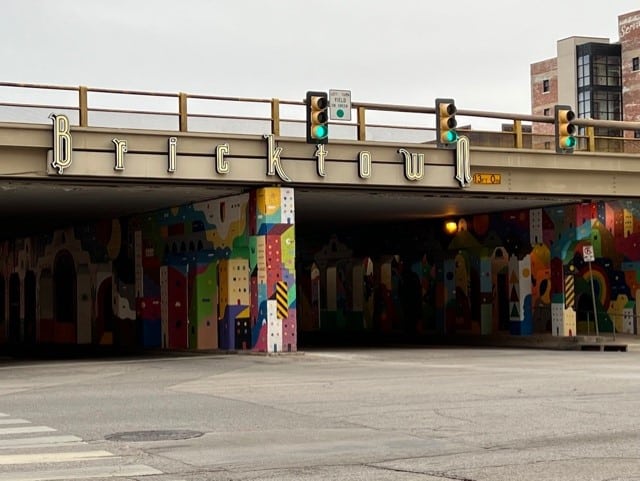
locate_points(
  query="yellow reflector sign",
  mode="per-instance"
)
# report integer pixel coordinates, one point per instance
(492, 179)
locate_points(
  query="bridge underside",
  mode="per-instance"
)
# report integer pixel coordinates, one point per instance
(32, 206)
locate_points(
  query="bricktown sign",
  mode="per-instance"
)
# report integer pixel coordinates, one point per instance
(414, 169)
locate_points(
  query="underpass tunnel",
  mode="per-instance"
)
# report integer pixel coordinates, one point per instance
(401, 282)
(258, 271)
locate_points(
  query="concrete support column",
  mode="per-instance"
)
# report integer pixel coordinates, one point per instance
(272, 267)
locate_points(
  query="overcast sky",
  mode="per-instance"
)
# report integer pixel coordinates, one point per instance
(400, 51)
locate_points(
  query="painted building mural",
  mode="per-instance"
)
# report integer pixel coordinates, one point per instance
(519, 272)
(237, 274)
(217, 274)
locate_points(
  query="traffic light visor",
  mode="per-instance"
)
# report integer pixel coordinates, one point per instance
(566, 115)
(319, 117)
(318, 103)
(447, 109)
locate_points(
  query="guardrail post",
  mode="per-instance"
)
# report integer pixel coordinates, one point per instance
(83, 110)
(591, 139)
(275, 117)
(517, 129)
(362, 127)
(182, 112)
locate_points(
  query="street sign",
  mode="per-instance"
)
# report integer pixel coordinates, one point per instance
(587, 253)
(340, 105)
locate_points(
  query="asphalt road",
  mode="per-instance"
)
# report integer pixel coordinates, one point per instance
(377, 414)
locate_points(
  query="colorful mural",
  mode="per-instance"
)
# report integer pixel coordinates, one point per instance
(189, 277)
(518, 272)
(238, 274)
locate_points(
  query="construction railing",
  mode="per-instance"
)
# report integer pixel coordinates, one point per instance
(183, 112)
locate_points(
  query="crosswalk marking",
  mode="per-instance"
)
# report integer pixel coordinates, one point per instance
(6, 459)
(14, 421)
(41, 441)
(30, 429)
(74, 459)
(82, 473)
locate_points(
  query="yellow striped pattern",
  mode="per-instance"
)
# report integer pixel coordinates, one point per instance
(282, 298)
(569, 292)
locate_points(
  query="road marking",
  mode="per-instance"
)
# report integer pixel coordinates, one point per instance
(82, 473)
(14, 421)
(65, 458)
(30, 429)
(6, 459)
(36, 442)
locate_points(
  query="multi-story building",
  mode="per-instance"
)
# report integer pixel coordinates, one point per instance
(599, 79)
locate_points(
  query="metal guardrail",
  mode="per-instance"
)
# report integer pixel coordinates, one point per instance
(183, 112)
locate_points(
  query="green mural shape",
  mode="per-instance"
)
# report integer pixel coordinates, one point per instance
(288, 246)
(203, 302)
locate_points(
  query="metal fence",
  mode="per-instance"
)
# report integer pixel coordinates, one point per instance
(184, 112)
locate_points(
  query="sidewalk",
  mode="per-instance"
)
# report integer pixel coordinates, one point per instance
(604, 342)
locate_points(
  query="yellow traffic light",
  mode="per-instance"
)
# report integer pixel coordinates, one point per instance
(565, 130)
(446, 123)
(317, 105)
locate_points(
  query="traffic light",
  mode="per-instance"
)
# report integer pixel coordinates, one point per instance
(317, 105)
(446, 123)
(565, 130)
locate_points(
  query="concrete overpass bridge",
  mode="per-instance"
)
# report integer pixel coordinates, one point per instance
(123, 202)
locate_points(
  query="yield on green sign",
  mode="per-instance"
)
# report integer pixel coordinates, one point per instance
(340, 105)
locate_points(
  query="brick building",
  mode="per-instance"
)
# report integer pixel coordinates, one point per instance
(599, 79)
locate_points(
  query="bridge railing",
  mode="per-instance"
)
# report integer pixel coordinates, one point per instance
(184, 112)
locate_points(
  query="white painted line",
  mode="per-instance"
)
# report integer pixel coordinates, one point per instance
(65, 457)
(14, 421)
(39, 441)
(3, 415)
(30, 429)
(82, 473)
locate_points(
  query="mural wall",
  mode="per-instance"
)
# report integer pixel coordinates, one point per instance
(517, 272)
(217, 274)
(228, 274)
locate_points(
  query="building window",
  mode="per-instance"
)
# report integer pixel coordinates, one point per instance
(546, 112)
(545, 85)
(547, 145)
(606, 70)
(635, 64)
(606, 105)
(584, 104)
(584, 70)
(636, 134)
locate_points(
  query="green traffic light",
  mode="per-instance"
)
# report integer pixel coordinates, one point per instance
(570, 142)
(450, 136)
(320, 131)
